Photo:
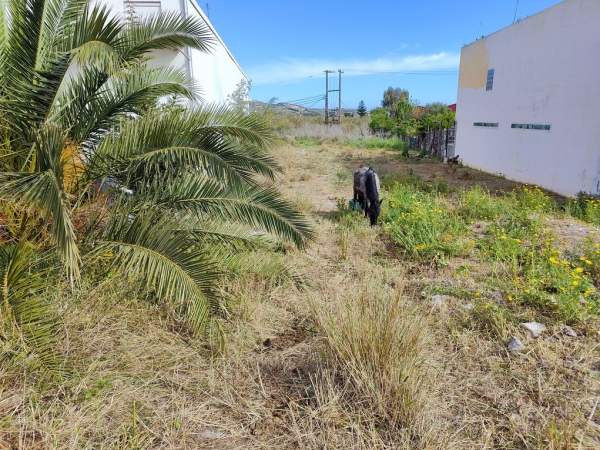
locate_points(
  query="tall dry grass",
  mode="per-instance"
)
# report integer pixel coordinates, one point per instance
(375, 376)
(292, 126)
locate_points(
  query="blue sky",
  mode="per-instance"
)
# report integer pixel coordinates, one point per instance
(285, 46)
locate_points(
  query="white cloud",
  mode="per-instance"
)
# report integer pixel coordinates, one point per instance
(291, 69)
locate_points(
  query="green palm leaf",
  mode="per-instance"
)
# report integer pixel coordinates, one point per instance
(36, 329)
(258, 206)
(154, 248)
(165, 31)
(175, 143)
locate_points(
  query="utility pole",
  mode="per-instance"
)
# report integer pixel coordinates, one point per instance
(340, 99)
(327, 72)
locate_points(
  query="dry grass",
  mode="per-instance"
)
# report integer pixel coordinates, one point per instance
(355, 359)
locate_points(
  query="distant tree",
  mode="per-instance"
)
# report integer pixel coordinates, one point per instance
(431, 109)
(361, 110)
(381, 121)
(239, 99)
(437, 115)
(273, 100)
(392, 95)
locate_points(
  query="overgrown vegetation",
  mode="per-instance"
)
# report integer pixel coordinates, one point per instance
(511, 236)
(155, 204)
(97, 177)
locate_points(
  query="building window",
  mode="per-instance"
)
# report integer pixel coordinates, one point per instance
(490, 80)
(485, 124)
(528, 126)
(141, 9)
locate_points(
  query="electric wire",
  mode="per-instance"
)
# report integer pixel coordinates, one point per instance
(369, 71)
(284, 81)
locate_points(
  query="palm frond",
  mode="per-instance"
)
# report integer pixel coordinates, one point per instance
(154, 248)
(125, 93)
(96, 39)
(166, 30)
(41, 192)
(36, 327)
(260, 207)
(175, 143)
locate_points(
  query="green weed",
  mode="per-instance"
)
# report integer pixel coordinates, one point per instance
(584, 207)
(379, 142)
(423, 224)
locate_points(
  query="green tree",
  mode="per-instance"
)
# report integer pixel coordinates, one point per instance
(436, 117)
(393, 95)
(91, 168)
(240, 97)
(361, 110)
(431, 109)
(381, 121)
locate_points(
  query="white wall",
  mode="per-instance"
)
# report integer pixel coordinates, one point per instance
(216, 74)
(546, 72)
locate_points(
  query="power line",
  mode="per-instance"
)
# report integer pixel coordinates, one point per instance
(285, 81)
(305, 100)
(406, 72)
(368, 71)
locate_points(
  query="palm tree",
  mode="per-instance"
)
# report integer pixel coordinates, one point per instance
(92, 166)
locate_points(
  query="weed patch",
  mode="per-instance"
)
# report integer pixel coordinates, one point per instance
(375, 142)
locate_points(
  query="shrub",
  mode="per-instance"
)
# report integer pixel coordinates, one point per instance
(584, 207)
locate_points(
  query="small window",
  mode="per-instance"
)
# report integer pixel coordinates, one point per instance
(490, 80)
(529, 126)
(486, 124)
(141, 8)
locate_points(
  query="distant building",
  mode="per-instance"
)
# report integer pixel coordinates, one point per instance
(452, 107)
(216, 74)
(529, 98)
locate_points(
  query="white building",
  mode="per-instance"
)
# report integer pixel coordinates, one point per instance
(216, 74)
(528, 102)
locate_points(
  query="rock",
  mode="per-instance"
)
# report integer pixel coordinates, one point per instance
(437, 301)
(495, 296)
(515, 345)
(447, 283)
(568, 331)
(467, 306)
(535, 328)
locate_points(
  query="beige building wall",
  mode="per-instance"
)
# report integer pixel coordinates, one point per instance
(540, 121)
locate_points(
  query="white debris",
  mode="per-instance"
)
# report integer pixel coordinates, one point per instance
(535, 328)
(437, 301)
(515, 345)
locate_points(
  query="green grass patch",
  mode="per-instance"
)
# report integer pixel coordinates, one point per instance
(410, 179)
(374, 142)
(306, 142)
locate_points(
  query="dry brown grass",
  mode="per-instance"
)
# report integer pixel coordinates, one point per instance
(355, 359)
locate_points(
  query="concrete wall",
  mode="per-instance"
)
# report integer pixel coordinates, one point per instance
(546, 72)
(216, 74)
